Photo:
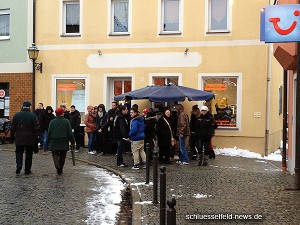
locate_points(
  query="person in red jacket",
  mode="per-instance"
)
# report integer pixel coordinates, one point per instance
(90, 122)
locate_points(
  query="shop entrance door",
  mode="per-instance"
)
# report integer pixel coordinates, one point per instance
(4, 100)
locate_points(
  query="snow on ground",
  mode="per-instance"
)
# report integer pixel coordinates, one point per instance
(104, 205)
(201, 195)
(276, 156)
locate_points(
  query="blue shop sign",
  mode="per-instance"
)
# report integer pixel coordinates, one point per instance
(282, 23)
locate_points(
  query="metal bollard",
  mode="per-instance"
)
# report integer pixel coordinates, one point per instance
(171, 212)
(162, 195)
(155, 176)
(148, 153)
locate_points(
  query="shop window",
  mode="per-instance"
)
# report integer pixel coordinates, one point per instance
(71, 11)
(218, 16)
(71, 92)
(224, 106)
(120, 16)
(4, 100)
(4, 23)
(170, 16)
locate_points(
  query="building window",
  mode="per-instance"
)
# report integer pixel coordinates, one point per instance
(4, 24)
(121, 86)
(120, 16)
(71, 92)
(224, 106)
(170, 16)
(159, 106)
(218, 16)
(71, 18)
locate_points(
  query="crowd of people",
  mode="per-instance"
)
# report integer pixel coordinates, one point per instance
(119, 130)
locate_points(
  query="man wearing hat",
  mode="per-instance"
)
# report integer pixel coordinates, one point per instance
(59, 136)
(205, 128)
(26, 131)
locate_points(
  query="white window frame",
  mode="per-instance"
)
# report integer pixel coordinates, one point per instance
(56, 77)
(209, 31)
(112, 77)
(6, 12)
(63, 18)
(111, 20)
(161, 19)
(238, 76)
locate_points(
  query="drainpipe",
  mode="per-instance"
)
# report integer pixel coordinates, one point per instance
(267, 131)
(297, 141)
(268, 101)
(33, 61)
(284, 130)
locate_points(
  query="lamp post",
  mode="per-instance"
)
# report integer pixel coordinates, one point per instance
(33, 53)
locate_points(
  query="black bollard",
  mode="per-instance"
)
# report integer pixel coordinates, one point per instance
(155, 176)
(171, 212)
(148, 153)
(162, 195)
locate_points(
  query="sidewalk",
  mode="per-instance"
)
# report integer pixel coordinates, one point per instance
(229, 186)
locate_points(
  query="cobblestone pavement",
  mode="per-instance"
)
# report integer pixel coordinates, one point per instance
(229, 185)
(43, 197)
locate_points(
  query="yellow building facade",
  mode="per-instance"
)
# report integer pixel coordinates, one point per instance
(94, 49)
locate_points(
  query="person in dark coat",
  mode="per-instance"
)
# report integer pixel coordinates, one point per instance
(205, 127)
(150, 123)
(26, 130)
(193, 139)
(102, 119)
(46, 118)
(39, 112)
(66, 112)
(75, 121)
(59, 136)
(111, 115)
(121, 134)
(164, 133)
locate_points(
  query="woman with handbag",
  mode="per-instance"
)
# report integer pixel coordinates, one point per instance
(165, 136)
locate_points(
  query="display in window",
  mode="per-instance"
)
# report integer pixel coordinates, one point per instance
(225, 114)
(224, 106)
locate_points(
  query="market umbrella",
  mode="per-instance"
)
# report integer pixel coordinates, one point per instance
(168, 93)
(137, 94)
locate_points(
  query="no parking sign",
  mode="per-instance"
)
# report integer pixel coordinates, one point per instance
(2, 93)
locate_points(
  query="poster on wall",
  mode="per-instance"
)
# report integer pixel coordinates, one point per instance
(6, 106)
(78, 99)
(1, 103)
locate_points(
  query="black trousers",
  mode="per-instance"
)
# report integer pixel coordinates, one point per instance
(164, 153)
(203, 144)
(59, 158)
(20, 149)
(193, 142)
(102, 142)
(121, 149)
(77, 136)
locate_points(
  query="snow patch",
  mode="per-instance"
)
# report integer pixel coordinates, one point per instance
(103, 206)
(142, 183)
(144, 203)
(276, 156)
(201, 195)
